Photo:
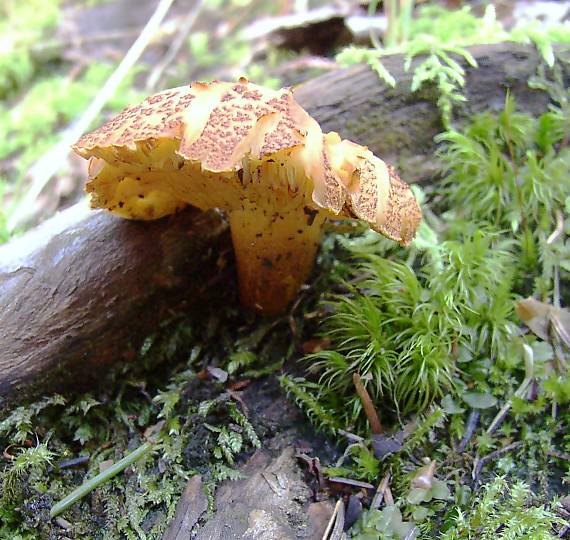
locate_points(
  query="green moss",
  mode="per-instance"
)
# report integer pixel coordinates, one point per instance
(504, 511)
(436, 46)
(438, 321)
(431, 330)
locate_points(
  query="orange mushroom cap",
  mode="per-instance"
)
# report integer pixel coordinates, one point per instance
(259, 156)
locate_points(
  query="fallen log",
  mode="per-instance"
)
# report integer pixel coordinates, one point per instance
(82, 290)
(399, 125)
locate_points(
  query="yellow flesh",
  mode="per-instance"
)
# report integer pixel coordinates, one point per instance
(275, 253)
(275, 234)
(152, 183)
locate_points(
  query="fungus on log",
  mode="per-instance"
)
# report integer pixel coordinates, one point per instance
(45, 345)
(256, 154)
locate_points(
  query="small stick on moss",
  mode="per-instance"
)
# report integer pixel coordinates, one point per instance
(379, 496)
(529, 376)
(388, 496)
(335, 525)
(481, 462)
(73, 462)
(472, 421)
(351, 436)
(559, 455)
(96, 481)
(369, 409)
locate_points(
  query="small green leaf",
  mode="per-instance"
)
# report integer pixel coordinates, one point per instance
(87, 403)
(420, 513)
(479, 400)
(439, 490)
(418, 495)
(450, 406)
(240, 360)
(83, 434)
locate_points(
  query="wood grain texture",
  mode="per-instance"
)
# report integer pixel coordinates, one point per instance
(85, 288)
(192, 505)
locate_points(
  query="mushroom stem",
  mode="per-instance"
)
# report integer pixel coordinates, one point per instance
(275, 253)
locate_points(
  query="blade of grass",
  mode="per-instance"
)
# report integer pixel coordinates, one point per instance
(96, 481)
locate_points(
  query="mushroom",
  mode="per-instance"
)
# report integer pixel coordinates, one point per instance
(256, 154)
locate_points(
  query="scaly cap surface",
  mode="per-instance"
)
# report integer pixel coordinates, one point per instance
(218, 143)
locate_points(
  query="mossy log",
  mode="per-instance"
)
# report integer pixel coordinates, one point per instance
(400, 126)
(84, 289)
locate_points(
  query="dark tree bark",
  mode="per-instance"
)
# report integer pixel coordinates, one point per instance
(399, 126)
(85, 288)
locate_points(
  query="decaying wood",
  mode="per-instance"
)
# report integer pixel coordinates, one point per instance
(273, 500)
(82, 290)
(398, 125)
(262, 503)
(192, 505)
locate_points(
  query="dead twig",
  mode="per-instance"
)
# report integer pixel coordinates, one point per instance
(350, 482)
(379, 495)
(520, 392)
(472, 422)
(550, 240)
(558, 455)
(63, 523)
(291, 315)
(55, 46)
(175, 46)
(481, 462)
(351, 436)
(388, 496)
(314, 467)
(368, 406)
(73, 462)
(6, 455)
(371, 30)
(558, 230)
(336, 523)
